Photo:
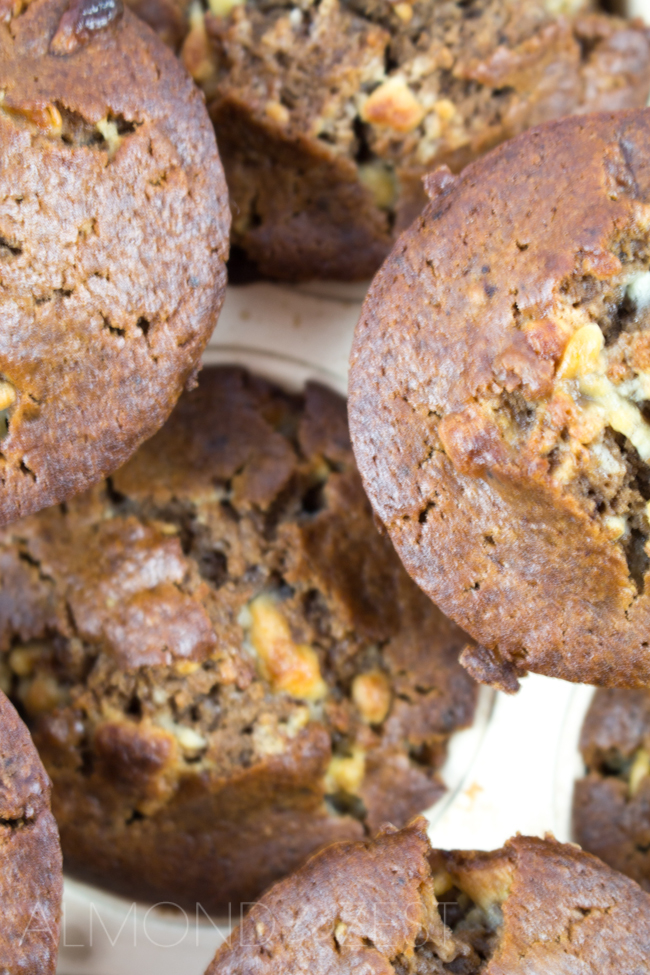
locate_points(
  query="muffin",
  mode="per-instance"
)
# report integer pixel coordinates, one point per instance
(393, 905)
(328, 114)
(31, 881)
(222, 661)
(113, 239)
(611, 804)
(498, 405)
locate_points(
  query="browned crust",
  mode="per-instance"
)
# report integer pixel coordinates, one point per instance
(31, 882)
(123, 585)
(374, 888)
(301, 207)
(607, 820)
(368, 907)
(113, 272)
(482, 528)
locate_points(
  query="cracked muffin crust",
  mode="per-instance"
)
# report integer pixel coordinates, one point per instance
(329, 112)
(113, 239)
(221, 658)
(611, 804)
(391, 906)
(499, 401)
(31, 880)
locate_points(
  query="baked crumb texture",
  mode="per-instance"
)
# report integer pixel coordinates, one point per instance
(222, 661)
(611, 808)
(114, 226)
(328, 112)
(393, 906)
(31, 878)
(499, 402)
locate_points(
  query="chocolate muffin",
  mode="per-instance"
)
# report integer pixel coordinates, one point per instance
(499, 401)
(223, 663)
(31, 881)
(328, 114)
(611, 804)
(391, 905)
(113, 237)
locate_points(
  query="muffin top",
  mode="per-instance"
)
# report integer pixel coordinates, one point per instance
(222, 614)
(611, 802)
(393, 905)
(113, 236)
(499, 381)
(31, 882)
(328, 114)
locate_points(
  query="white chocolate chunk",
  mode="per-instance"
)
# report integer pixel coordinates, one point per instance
(638, 290)
(108, 131)
(584, 362)
(187, 738)
(616, 526)
(607, 463)
(620, 414)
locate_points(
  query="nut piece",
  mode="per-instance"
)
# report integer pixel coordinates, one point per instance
(394, 105)
(41, 695)
(189, 739)
(289, 667)
(340, 932)
(196, 53)
(582, 354)
(444, 109)
(221, 8)
(345, 774)
(23, 658)
(278, 112)
(81, 20)
(442, 882)
(186, 667)
(404, 11)
(381, 182)
(489, 886)
(615, 526)
(43, 115)
(640, 769)
(108, 131)
(371, 694)
(583, 360)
